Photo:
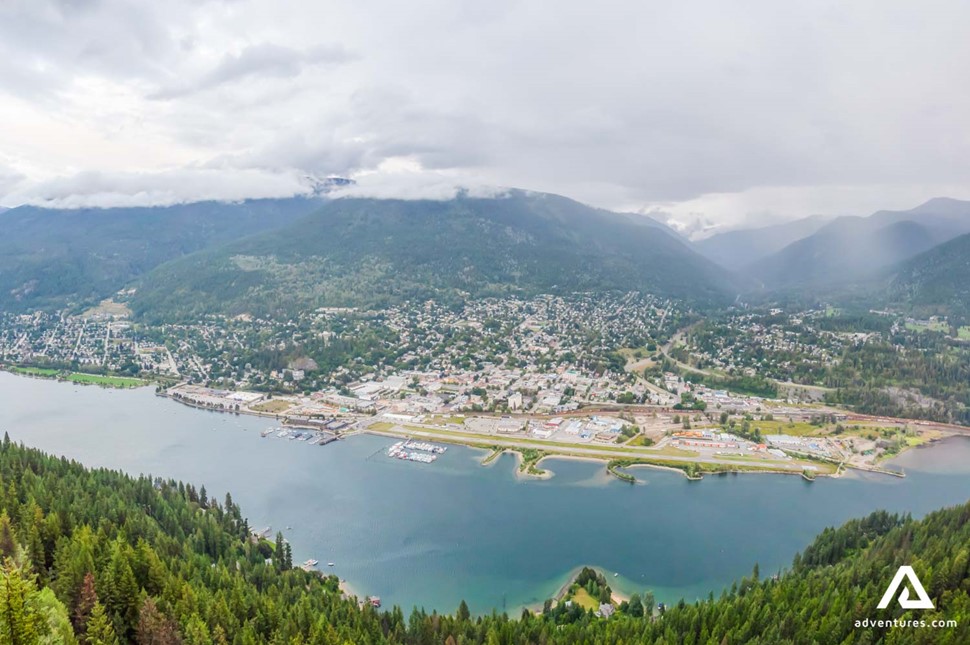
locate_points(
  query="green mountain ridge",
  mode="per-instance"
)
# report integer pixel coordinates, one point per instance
(101, 558)
(937, 281)
(370, 252)
(50, 258)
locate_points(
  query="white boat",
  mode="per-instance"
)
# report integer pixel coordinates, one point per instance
(330, 564)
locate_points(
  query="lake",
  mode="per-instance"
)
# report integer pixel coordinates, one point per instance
(430, 535)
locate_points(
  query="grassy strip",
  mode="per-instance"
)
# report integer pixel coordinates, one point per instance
(35, 371)
(109, 381)
(79, 377)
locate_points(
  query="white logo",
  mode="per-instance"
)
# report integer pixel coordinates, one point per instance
(907, 572)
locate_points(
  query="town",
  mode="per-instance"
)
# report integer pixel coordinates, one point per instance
(624, 378)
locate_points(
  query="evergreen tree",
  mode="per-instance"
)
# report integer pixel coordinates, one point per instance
(120, 591)
(463, 613)
(100, 631)
(279, 553)
(20, 622)
(287, 556)
(635, 608)
(8, 542)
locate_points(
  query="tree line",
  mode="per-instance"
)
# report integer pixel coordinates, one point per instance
(97, 557)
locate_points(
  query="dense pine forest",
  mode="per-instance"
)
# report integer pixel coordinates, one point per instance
(97, 557)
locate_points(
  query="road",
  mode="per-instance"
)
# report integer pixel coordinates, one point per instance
(676, 338)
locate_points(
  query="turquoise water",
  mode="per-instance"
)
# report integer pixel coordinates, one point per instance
(430, 535)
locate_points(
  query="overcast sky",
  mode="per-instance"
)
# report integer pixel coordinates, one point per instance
(716, 113)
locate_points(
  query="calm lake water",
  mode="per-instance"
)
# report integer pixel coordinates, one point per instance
(430, 535)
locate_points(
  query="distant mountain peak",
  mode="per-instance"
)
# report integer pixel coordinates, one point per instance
(325, 186)
(943, 205)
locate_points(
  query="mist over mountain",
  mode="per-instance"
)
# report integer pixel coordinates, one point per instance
(852, 250)
(738, 249)
(373, 252)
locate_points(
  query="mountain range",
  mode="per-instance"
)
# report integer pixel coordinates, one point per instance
(276, 255)
(373, 252)
(263, 256)
(852, 250)
(738, 249)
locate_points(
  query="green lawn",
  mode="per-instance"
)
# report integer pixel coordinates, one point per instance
(783, 426)
(35, 371)
(99, 379)
(442, 420)
(582, 598)
(80, 377)
(963, 333)
(641, 440)
(935, 326)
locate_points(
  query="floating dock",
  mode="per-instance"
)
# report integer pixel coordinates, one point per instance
(419, 451)
(311, 436)
(309, 565)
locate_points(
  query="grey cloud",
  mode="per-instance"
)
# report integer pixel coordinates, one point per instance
(10, 179)
(87, 189)
(45, 45)
(265, 59)
(711, 111)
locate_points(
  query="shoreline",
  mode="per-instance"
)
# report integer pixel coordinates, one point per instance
(604, 459)
(616, 595)
(546, 474)
(349, 587)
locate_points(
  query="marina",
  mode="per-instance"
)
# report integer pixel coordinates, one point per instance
(419, 451)
(312, 436)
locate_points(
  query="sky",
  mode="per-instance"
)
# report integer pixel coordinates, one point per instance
(708, 114)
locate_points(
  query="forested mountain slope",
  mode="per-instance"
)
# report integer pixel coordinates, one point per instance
(97, 557)
(851, 250)
(371, 252)
(937, 281)
(54, 257)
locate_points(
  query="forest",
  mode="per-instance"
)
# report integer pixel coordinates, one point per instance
(97, 557)
(880, 378)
